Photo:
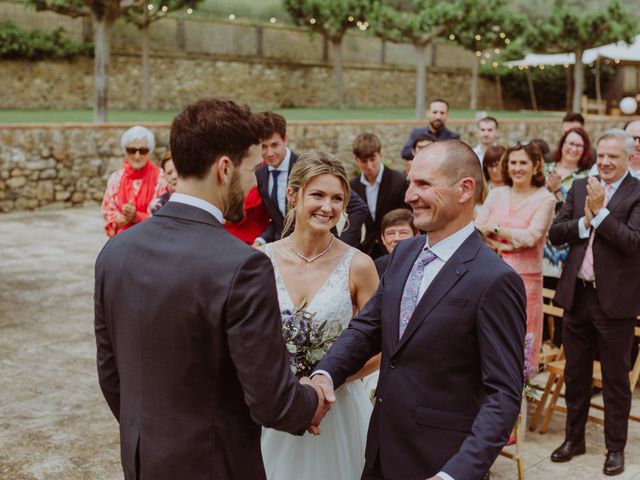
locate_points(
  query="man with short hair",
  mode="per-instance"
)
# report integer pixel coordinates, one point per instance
(190, 353)
(273, 178)
(382, 187)
(488, 133)
(437, 116)
(572, 120)
(598, 289)
(419, 142)
(449, 318)
(633, 129)
(397, 225)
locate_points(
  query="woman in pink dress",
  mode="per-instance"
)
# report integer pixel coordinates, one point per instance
(515, 219)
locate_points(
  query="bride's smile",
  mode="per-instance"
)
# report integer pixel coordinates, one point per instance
(323, 201)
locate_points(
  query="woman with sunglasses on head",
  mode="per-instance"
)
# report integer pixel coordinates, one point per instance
(515, 220)
(131, 189)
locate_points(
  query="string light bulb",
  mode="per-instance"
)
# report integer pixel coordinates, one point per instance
(452, 37)
(189, 11)
(478, 37)
(164, 8)
(312, 21)
(350, 18)
(273, 20)
(150, 7)
(478, 53)
(232, 17)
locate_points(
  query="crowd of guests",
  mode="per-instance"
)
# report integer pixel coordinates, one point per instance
(546, 213)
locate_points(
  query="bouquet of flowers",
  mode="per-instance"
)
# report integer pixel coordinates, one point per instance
(306, 341)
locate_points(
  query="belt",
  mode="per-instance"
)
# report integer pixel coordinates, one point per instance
(586, 283)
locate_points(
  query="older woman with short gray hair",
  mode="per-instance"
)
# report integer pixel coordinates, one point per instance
(131, 189)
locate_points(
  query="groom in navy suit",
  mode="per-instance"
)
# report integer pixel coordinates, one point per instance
(449, 318)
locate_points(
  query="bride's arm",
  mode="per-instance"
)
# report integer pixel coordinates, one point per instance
(364, 282)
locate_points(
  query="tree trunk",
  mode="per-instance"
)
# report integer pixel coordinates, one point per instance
(475, 67)
(337, 68)
(101, 68)
(578, 82)
(532, 91)
(598, 86)
(499, 91)
(569, 92)
(421, 81)
(146, 81)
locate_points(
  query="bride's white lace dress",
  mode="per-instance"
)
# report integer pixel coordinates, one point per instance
(338, 453)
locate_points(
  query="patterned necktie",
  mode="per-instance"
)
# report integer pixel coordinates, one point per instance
(587, 271)
(411, 288)
(274, 189)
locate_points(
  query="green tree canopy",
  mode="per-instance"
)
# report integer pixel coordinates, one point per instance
(571, 29)
(332, 19)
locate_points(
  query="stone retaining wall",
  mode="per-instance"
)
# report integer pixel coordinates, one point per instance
(57, 166)
(264, 84)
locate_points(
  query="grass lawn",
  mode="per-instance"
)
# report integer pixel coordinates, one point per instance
(312, 114)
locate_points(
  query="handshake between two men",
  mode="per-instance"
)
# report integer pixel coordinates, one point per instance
(326, 397)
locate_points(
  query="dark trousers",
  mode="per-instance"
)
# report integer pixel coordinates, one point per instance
(374, 472)
(585, 328)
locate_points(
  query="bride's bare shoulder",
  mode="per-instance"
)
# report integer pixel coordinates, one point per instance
(362, 265)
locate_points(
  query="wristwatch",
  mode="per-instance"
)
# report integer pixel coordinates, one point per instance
(496, 230)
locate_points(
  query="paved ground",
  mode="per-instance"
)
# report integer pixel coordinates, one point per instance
(54, 423)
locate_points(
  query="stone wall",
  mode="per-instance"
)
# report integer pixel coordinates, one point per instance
(57, 166)
(178, 80)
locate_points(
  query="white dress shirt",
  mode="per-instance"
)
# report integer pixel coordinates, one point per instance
(198, 203)
(583, 232)
(479, 152)
(372, 190)
(283, 168)
(443, 250)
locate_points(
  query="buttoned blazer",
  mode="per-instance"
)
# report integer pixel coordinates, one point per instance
(190, 353)
(616, 249)
(393, 187)
(450, 389)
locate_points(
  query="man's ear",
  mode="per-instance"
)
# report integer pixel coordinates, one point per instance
(467, 189)
(224, 170)
(286, 139)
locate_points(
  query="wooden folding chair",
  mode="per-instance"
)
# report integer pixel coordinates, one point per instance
(555, 383)
(515, 451)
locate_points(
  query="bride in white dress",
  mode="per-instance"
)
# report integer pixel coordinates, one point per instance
(335, 280)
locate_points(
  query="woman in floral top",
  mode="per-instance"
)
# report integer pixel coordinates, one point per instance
(571, 160)
(132, 188)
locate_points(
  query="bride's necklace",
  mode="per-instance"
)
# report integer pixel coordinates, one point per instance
(312, 259)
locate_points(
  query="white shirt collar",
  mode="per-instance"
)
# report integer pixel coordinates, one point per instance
(364, 181)
(198, 203)
(446, 247)
(617, 183)
(284, 165)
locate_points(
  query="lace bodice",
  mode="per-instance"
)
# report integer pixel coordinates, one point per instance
(332, 302)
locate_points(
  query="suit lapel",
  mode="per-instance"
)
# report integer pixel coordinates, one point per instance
(450, 274)
(383, 193)
(620, 193)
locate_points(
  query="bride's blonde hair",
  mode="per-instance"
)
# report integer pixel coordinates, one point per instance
(308, 166)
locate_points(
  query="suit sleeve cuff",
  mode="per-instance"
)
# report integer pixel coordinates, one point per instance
(599, 218)
(322, 372)
(444, 476)
(583, 231)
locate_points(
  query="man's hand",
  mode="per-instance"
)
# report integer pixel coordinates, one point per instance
(595, 195)
(435, 478)
(256, 244)
(326, 397)
(588, 214)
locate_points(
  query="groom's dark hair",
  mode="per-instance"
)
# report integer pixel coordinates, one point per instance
(208, 129)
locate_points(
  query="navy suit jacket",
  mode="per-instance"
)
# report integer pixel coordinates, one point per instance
(186, 316)
(443, 134)
(450, 389)
(357, 210)
(616, 249)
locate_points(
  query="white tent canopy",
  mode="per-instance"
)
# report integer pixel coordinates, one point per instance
(614, 51)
